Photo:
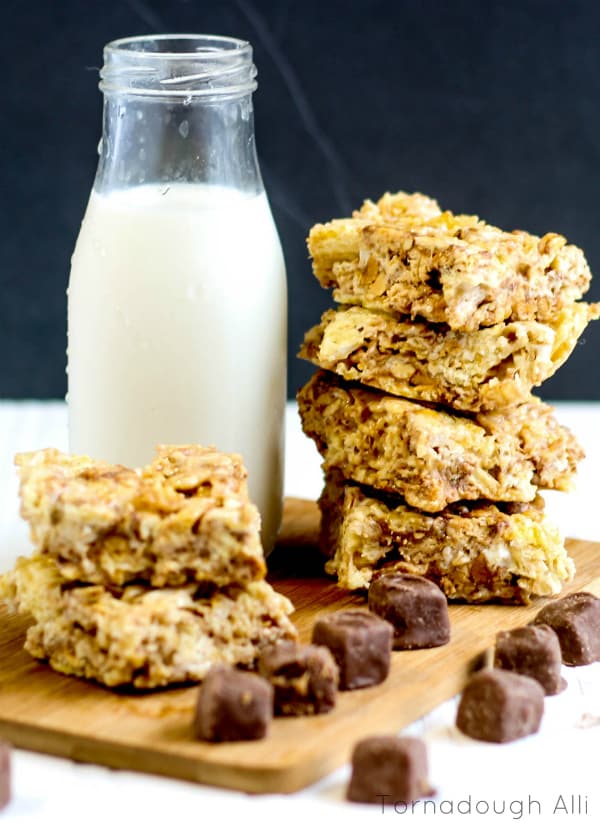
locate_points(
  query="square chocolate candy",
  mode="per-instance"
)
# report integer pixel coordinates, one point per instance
(533, 651)
(576, 620)
(233, 705)
(389, 769)
(416, 608)
(304, 677)
(361, 644)
(499, 706)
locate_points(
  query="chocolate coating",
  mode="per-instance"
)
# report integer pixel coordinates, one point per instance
(389, 769)
(499, 706)
(233, 705)
(361, 644)
(304, 677)
(416, 608)
(533, 651)
(576, 620)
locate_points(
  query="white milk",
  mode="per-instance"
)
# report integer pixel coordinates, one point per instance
(177, 330)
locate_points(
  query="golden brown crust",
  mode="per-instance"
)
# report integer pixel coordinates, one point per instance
(484, 369)
(433, 458)
(551, 448)
(185, 517)
(412, 259)
(142, 636)
(475, 553)
(399, 208)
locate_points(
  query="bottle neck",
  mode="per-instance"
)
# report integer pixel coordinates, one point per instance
(178, 109)
(153, 140)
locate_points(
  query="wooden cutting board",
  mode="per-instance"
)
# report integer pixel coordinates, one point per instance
(48, 712)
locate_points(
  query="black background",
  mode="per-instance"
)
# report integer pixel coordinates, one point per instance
(492, 107)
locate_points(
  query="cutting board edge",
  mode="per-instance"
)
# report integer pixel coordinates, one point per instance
(298, 770)
(296, 774)
(114, 755)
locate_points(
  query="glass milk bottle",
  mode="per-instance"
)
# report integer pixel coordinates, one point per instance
(177, 294)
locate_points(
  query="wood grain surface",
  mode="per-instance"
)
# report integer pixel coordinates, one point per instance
(48, 712)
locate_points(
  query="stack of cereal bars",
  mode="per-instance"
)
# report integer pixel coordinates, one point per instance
(143, 577)
(434, 448)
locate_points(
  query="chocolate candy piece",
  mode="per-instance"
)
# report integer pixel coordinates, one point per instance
(361, 644)
(305, 677)
(576, 620)
(499, 706)
(416, 608)
(533, 651)
(389, 770)
(233, 705)
(5, 774)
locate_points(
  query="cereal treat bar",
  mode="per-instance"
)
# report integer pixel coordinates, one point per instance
(475, 552)
(551, 448)
(483, 369)
(405, 255)
(139, 636)
(431, 457)
(186, 517)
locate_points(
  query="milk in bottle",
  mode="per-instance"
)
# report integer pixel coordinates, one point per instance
(177, 294)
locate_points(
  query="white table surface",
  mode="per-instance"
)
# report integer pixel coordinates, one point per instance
(532, 779)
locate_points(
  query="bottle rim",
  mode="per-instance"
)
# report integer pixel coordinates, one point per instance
(178, 65)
